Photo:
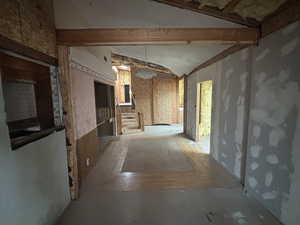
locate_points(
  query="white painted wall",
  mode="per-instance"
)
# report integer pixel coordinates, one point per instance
(93, 58)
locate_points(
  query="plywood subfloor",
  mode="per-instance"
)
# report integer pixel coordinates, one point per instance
(204, 195)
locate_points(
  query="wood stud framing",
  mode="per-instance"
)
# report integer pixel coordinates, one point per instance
(69, 118)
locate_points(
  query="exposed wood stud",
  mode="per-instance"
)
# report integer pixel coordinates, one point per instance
(219, 57)
(210, 11)
(69, 118)
(139, 36)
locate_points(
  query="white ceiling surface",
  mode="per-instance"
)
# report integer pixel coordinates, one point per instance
(180, 59)
(128, 14)
(78, 14)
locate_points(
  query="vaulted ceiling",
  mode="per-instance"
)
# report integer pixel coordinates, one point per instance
(180, 59)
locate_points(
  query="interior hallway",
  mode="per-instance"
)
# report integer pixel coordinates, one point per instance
(170, 178)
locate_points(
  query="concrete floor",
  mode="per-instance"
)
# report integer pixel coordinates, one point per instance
(203, 195)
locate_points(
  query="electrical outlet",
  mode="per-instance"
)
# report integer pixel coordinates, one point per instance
(87, 162)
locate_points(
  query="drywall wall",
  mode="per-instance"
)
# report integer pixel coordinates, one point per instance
(34, 179)
(30, 23)
(229, 145)
(273, 162)
(256, 93)
(209, 73)
(230, 81)
(86, 68)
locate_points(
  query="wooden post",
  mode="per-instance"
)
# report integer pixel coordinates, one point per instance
(65, 79)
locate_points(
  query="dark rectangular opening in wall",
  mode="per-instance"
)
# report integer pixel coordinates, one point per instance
(28, 99)
(105, 109)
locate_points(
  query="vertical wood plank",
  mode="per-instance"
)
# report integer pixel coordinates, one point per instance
(69, 117)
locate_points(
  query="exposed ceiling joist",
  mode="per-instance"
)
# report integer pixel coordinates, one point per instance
(231, 5)
(125, 60)
(133, 36)
(219, 57)
(286, 14)
(211, 11)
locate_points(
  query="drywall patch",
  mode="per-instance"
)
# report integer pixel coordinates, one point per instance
(254, 166)
(228, 73)
(289, 47)
(270, 195)
(240, 218)
(243, 80)
(244, 54)
(239, 120)
(252, 182)
(255, 151)
(272, 159)
(227, 103)
(268, 179)
(256, 131)
(237, 161)
(291, 28)
(263, 54)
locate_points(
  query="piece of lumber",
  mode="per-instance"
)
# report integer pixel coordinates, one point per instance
(140, 36)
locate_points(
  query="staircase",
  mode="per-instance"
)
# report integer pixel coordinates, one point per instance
(131, 123)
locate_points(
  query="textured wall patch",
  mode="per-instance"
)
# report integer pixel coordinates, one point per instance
(255, 151)
(254, 166)
(289, 47)
(268, 179)
(263, 54)
(256, 131)
(275, 136)
(272, 159)
(252, 182)
(270, 195)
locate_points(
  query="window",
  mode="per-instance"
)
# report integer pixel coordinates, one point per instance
(28, 100)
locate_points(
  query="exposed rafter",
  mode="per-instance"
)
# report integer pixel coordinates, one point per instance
(219, 57)
(211, 11)
(231, 5)
(143, 36)
(126, 60)
(286, 14)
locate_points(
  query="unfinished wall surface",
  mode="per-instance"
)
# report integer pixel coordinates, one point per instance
(273, 162)
(142, 89)
(86, 68)
(29, 22)
(229, 145)
(256, 95)
(209, 73)
(230, 78)
(34, 179)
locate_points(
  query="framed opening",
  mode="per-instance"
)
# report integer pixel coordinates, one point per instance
(28, 100)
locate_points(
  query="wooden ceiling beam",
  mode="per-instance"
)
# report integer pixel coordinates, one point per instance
(211, 11)
(218, 57)
(126, 60)
(139, 36)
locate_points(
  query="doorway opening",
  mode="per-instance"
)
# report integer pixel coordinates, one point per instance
(105, 110)
(204, 111)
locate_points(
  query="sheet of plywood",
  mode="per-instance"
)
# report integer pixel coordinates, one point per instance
(142, 89)
(164, 100)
